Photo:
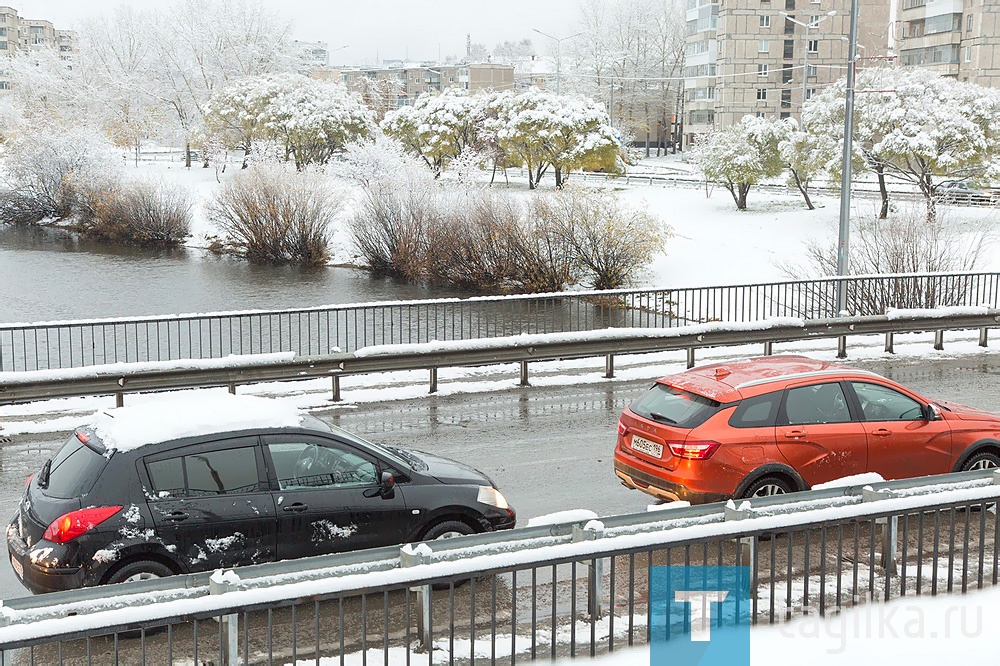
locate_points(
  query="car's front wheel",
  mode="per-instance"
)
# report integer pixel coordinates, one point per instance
(767, 487)
(447, 530)
(981, 460)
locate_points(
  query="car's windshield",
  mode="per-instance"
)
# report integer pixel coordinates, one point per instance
(673, 406)
(388, 452)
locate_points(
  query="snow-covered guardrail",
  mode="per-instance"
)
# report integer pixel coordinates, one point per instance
(119, 379)
(750, 532)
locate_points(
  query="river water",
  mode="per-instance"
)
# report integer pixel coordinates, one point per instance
(50, 274)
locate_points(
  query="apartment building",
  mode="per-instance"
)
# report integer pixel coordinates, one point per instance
(406, 82)
(21, 34)
(764, 57)
(957, 38)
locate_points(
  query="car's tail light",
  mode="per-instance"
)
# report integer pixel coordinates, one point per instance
(621, 429)
(71, 525)
(28, 482)
(693, 450)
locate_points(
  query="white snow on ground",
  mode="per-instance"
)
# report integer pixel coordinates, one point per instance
(570, 516)
(853, 480)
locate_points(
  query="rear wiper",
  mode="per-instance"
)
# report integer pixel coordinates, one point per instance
(43, 476)
(661, 418)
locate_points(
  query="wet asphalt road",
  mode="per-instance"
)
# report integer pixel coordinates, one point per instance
(549, 449)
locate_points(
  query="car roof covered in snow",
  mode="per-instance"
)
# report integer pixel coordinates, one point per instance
(167, 417)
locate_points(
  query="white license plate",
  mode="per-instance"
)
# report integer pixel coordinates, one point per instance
(18, 569)
(643, 445)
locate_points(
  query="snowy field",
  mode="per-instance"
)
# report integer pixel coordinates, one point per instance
(712, 243)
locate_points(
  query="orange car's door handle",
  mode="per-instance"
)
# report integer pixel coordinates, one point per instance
(795, 434)
(881, 432)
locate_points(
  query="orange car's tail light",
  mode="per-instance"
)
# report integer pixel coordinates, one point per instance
(693, 450)
(621, 429)
(71, 525)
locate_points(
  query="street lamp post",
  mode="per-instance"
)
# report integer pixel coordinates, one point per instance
(805, 57)
(558, 41)
(845, 181)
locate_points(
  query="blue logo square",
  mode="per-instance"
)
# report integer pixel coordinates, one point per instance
(700, 616)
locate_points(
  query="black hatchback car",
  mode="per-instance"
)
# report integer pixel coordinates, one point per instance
(177, 496)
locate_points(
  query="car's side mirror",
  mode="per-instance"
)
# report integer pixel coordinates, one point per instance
(387, 486)
(932, 412)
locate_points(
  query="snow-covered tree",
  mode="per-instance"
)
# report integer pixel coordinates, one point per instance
(743, 154)
(313, 119)
(918, 126)
(804, 158)
(541, 130)
(438, 127)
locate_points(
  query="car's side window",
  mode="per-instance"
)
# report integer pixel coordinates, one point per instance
(816, 403)
(757, 412)
(313, 465)
(224, 472)
(881, 403)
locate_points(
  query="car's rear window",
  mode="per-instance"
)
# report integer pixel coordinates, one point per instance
(74, 469)
(673, 406)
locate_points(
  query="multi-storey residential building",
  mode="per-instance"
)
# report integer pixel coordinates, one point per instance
(958, 38)
(764, 57)
(19, 34)
(405, 83)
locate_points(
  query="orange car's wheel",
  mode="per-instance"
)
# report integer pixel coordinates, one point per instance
(981, 460)
(766, 487)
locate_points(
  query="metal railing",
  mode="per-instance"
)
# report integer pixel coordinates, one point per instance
(345, 328)
(534, 593)
(119, 380)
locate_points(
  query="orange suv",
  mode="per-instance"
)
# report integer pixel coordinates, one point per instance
(778, 424)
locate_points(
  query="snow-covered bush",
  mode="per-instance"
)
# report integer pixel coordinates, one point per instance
(903, 243)
(140, 212)
(47, 171)
(476, 242)
(609, 240)
(272, 215)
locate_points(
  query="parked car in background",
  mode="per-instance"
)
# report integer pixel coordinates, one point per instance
(778, 424)
(179, 485)
(960, 192)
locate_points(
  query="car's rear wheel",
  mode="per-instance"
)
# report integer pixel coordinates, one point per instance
(767, 486)
(140, 570)
(981, 460)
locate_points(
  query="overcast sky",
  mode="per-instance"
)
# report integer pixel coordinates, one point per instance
(373, 29)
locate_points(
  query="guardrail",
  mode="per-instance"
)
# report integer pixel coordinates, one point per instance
(346, 328)
(571, 588)
(121, 379)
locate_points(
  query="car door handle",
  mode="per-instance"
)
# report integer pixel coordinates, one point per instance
(176, 516)
(795, 434)
(881, 432)
(297, 507)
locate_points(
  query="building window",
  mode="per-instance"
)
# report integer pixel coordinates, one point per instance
(3, 45)
(789, 5)
(763, 46)
(786, 73)
(761, 114)
(968, 22)
(762, 70)
(811, 71)
(789, 26)
(813, 46)
(784, 114)
(765, 20)
(4, 85)
(789, 51)
(762, 93)
(786, 99)
(810, 92)
(968, 54)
